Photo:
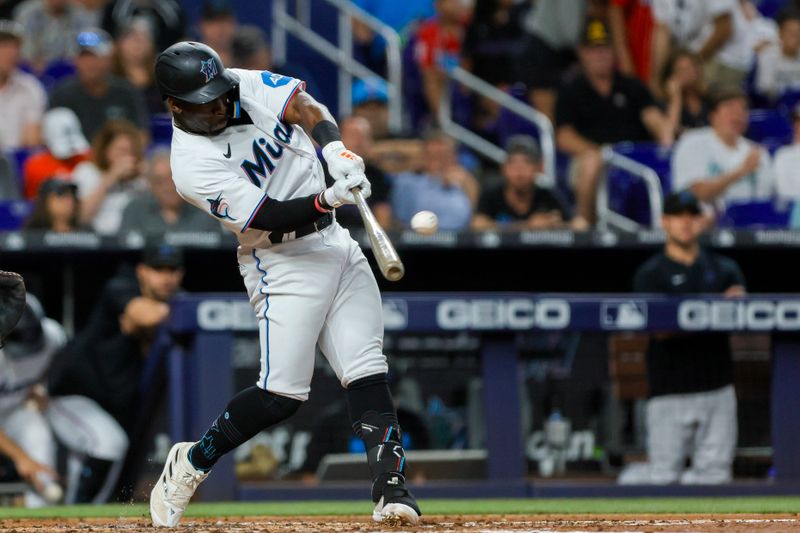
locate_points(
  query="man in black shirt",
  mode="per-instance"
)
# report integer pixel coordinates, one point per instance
(105, 360)
(520, 203)
(602, 106)
(692, 406)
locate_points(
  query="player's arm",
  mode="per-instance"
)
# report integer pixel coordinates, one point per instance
(315, 118)
(26, 467)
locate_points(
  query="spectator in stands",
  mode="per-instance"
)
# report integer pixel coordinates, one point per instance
(403, 17)
(165, 17)
(250, 50)
(94, 93)
(493, 40)
(692, 406)
(779, 64)
(444, 186)
(104, 362)
(554, 31)
(65, 148)
(57, 208)
(51, 27)
(519, 203)
(715, 31)
(218, 27)
(787, 163)
(161, 209)
(438, 46)
(631, 23)
(357, 136)
(371, 102)
(684, 90)
(134, 60)
(716, 162)
(112, 178)
(94, 9)
(22, 97)
(602, 106)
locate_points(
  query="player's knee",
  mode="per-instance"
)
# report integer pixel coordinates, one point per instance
(112, 445)
(277, 407)
(376, 366)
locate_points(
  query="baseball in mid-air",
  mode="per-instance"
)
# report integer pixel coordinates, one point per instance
(425, 222)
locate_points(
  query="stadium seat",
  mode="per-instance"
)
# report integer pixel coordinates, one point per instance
(769, 125)
(770, 8)
(55, 72)
(161, 129)
(761, 214)
(14, 213)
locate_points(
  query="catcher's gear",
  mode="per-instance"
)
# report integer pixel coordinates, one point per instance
(193, 72)
(12, 302)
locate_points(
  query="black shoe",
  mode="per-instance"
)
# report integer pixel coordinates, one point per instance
(397, 505)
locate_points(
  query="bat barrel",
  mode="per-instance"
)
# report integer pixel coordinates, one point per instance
(385, 254)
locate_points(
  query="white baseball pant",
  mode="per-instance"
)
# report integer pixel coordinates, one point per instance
(318, 289)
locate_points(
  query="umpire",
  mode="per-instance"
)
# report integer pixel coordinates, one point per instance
(692, 406)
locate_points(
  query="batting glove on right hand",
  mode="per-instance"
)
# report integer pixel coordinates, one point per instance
(342, 163)
(340, 192)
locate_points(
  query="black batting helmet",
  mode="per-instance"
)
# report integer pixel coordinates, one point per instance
(194, 73)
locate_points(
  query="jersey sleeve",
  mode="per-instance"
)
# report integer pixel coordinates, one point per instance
(231, 199)
(732, 274)
(273, 90)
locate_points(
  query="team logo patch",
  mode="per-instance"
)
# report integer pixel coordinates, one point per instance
(219, 207)
(274, 80)
(209, 69)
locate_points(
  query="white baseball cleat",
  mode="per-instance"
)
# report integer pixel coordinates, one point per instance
(175, 487)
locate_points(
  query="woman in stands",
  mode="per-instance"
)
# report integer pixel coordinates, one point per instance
(685, 92)
(56, 208)
(113, 177)
(134, 60)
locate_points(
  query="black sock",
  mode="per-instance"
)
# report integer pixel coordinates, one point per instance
(370, 394)
(249, 412)
(374, 419)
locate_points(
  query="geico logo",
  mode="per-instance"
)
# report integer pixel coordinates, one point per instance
(514, 313)
(216, 315)
(758, 315)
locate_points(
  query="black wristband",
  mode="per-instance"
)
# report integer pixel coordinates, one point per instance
(326, 132)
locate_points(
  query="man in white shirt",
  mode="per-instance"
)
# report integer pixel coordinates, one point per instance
(787, 163)
(779, 64)
(714, 29)
(22, 97)
(716, 162)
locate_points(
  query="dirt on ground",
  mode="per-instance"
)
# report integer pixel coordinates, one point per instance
(430, 524)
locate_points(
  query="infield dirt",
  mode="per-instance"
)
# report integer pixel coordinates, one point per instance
(431, 524)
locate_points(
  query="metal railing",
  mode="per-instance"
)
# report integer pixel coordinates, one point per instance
(341, 54)
(478, 143)
(606, 218)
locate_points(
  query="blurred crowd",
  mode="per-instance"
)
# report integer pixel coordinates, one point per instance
(709, 87)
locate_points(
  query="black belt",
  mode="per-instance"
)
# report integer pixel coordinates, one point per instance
(321, 223)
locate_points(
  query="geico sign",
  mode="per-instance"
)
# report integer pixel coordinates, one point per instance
(513, 313)
(217, 315)
(759, 315)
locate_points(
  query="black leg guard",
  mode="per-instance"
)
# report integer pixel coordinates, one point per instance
(382, 438)
(249, 412)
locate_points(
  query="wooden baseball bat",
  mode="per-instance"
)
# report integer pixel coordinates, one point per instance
(388, 261)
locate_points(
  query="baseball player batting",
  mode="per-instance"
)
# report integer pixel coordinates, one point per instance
(242, 151)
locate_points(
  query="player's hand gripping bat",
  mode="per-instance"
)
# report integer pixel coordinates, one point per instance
(388, 261)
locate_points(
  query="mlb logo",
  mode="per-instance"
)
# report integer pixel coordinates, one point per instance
(395, 314)
(624, 315)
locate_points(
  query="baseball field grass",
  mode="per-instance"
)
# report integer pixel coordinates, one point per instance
(700, 515)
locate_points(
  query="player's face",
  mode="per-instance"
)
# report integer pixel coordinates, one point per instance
(160, 283)
(202, 118)
(683, 229)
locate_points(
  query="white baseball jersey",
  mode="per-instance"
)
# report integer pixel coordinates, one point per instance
(309, 291)
(229, 175)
